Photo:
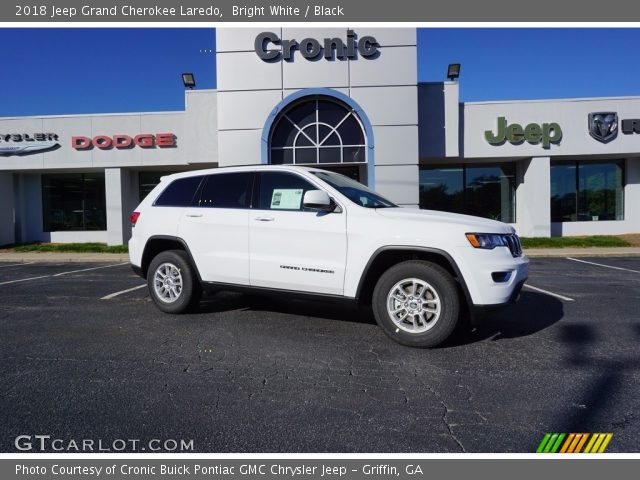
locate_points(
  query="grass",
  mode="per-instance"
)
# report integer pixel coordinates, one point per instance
(71, 247)
(584, 242)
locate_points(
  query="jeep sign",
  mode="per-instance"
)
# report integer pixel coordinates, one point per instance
(516, 134)
(310, 48)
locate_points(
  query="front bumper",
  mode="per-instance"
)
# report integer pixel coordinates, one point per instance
(493, 277)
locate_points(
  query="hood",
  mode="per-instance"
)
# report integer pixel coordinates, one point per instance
(470, 223)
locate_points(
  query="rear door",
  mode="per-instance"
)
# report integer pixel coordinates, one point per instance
(163, 218)
(216, 228)
(291, 247)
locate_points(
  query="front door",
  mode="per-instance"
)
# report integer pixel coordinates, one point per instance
(291, 247)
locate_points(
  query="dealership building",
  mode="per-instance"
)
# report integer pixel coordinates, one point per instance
(347, 100)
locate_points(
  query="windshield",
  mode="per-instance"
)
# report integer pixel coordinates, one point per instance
(354, 191)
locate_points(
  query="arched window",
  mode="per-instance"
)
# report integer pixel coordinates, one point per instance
(317, 130)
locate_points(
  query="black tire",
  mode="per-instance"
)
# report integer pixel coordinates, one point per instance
(444, 286)
(191, 290)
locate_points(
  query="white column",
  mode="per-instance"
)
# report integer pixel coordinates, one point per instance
(117, 186)
(533, 197)
(632, 196)
(7, 209)
(452, 118)
(399, 183)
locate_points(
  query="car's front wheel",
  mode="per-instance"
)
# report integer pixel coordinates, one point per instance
(173, 285)
(417, 303)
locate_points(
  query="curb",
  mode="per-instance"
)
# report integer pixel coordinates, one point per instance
(64, 257)
(586, 252)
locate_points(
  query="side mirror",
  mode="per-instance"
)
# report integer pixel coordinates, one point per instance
(318, 200)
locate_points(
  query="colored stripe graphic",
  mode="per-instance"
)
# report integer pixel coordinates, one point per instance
(581, 443)
(543, 443)
(550, 443)
(556, 445)
(598, 443)
(567, 443)
(552, 440)
(574, 443)
(605, 443)
(591, 442)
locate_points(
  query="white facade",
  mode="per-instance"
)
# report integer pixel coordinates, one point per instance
(533, 215)
(454, 133)
(249, 89)
(21, 190)
(408, 128)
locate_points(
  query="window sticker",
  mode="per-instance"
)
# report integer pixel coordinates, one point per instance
(286, 198)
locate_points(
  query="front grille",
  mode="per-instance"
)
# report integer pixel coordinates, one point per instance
(514, 245)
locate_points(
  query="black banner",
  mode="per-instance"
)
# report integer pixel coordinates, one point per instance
(328, 11)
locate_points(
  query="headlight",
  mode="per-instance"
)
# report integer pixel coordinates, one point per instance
(487, 240)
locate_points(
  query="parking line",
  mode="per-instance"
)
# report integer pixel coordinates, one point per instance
(603, 265)
(113, 295)
(89, 269)
(17, 264)
(24, 280)
(60, 274)
(557, 295)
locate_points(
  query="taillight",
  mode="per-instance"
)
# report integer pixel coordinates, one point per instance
(134, 218)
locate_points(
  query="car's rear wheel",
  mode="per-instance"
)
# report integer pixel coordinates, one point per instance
(417, 303)
(173, 285)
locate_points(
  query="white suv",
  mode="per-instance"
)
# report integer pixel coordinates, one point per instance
(305, 231)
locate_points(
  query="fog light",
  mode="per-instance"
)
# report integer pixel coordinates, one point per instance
(501, 277)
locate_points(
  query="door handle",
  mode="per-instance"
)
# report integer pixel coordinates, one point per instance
(264, 219)
(194, 215)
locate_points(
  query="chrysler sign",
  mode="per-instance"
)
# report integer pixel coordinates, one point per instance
(26, 143)
(267, 43)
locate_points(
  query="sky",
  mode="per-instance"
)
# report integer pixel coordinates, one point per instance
(71, 71)
(524, 64)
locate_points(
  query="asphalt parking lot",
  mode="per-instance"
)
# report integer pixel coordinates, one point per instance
(250, 374)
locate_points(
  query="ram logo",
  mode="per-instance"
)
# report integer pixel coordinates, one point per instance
(603, 126)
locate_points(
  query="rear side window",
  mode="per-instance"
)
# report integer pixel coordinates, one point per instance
(282, 191)
(180, 192)
(227, 190)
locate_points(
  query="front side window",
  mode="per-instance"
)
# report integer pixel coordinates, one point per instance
(227, 190)
(179, 193)
(282, 191)
(354, 191)
(487, 191)
(73, 202)
(587, 191)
